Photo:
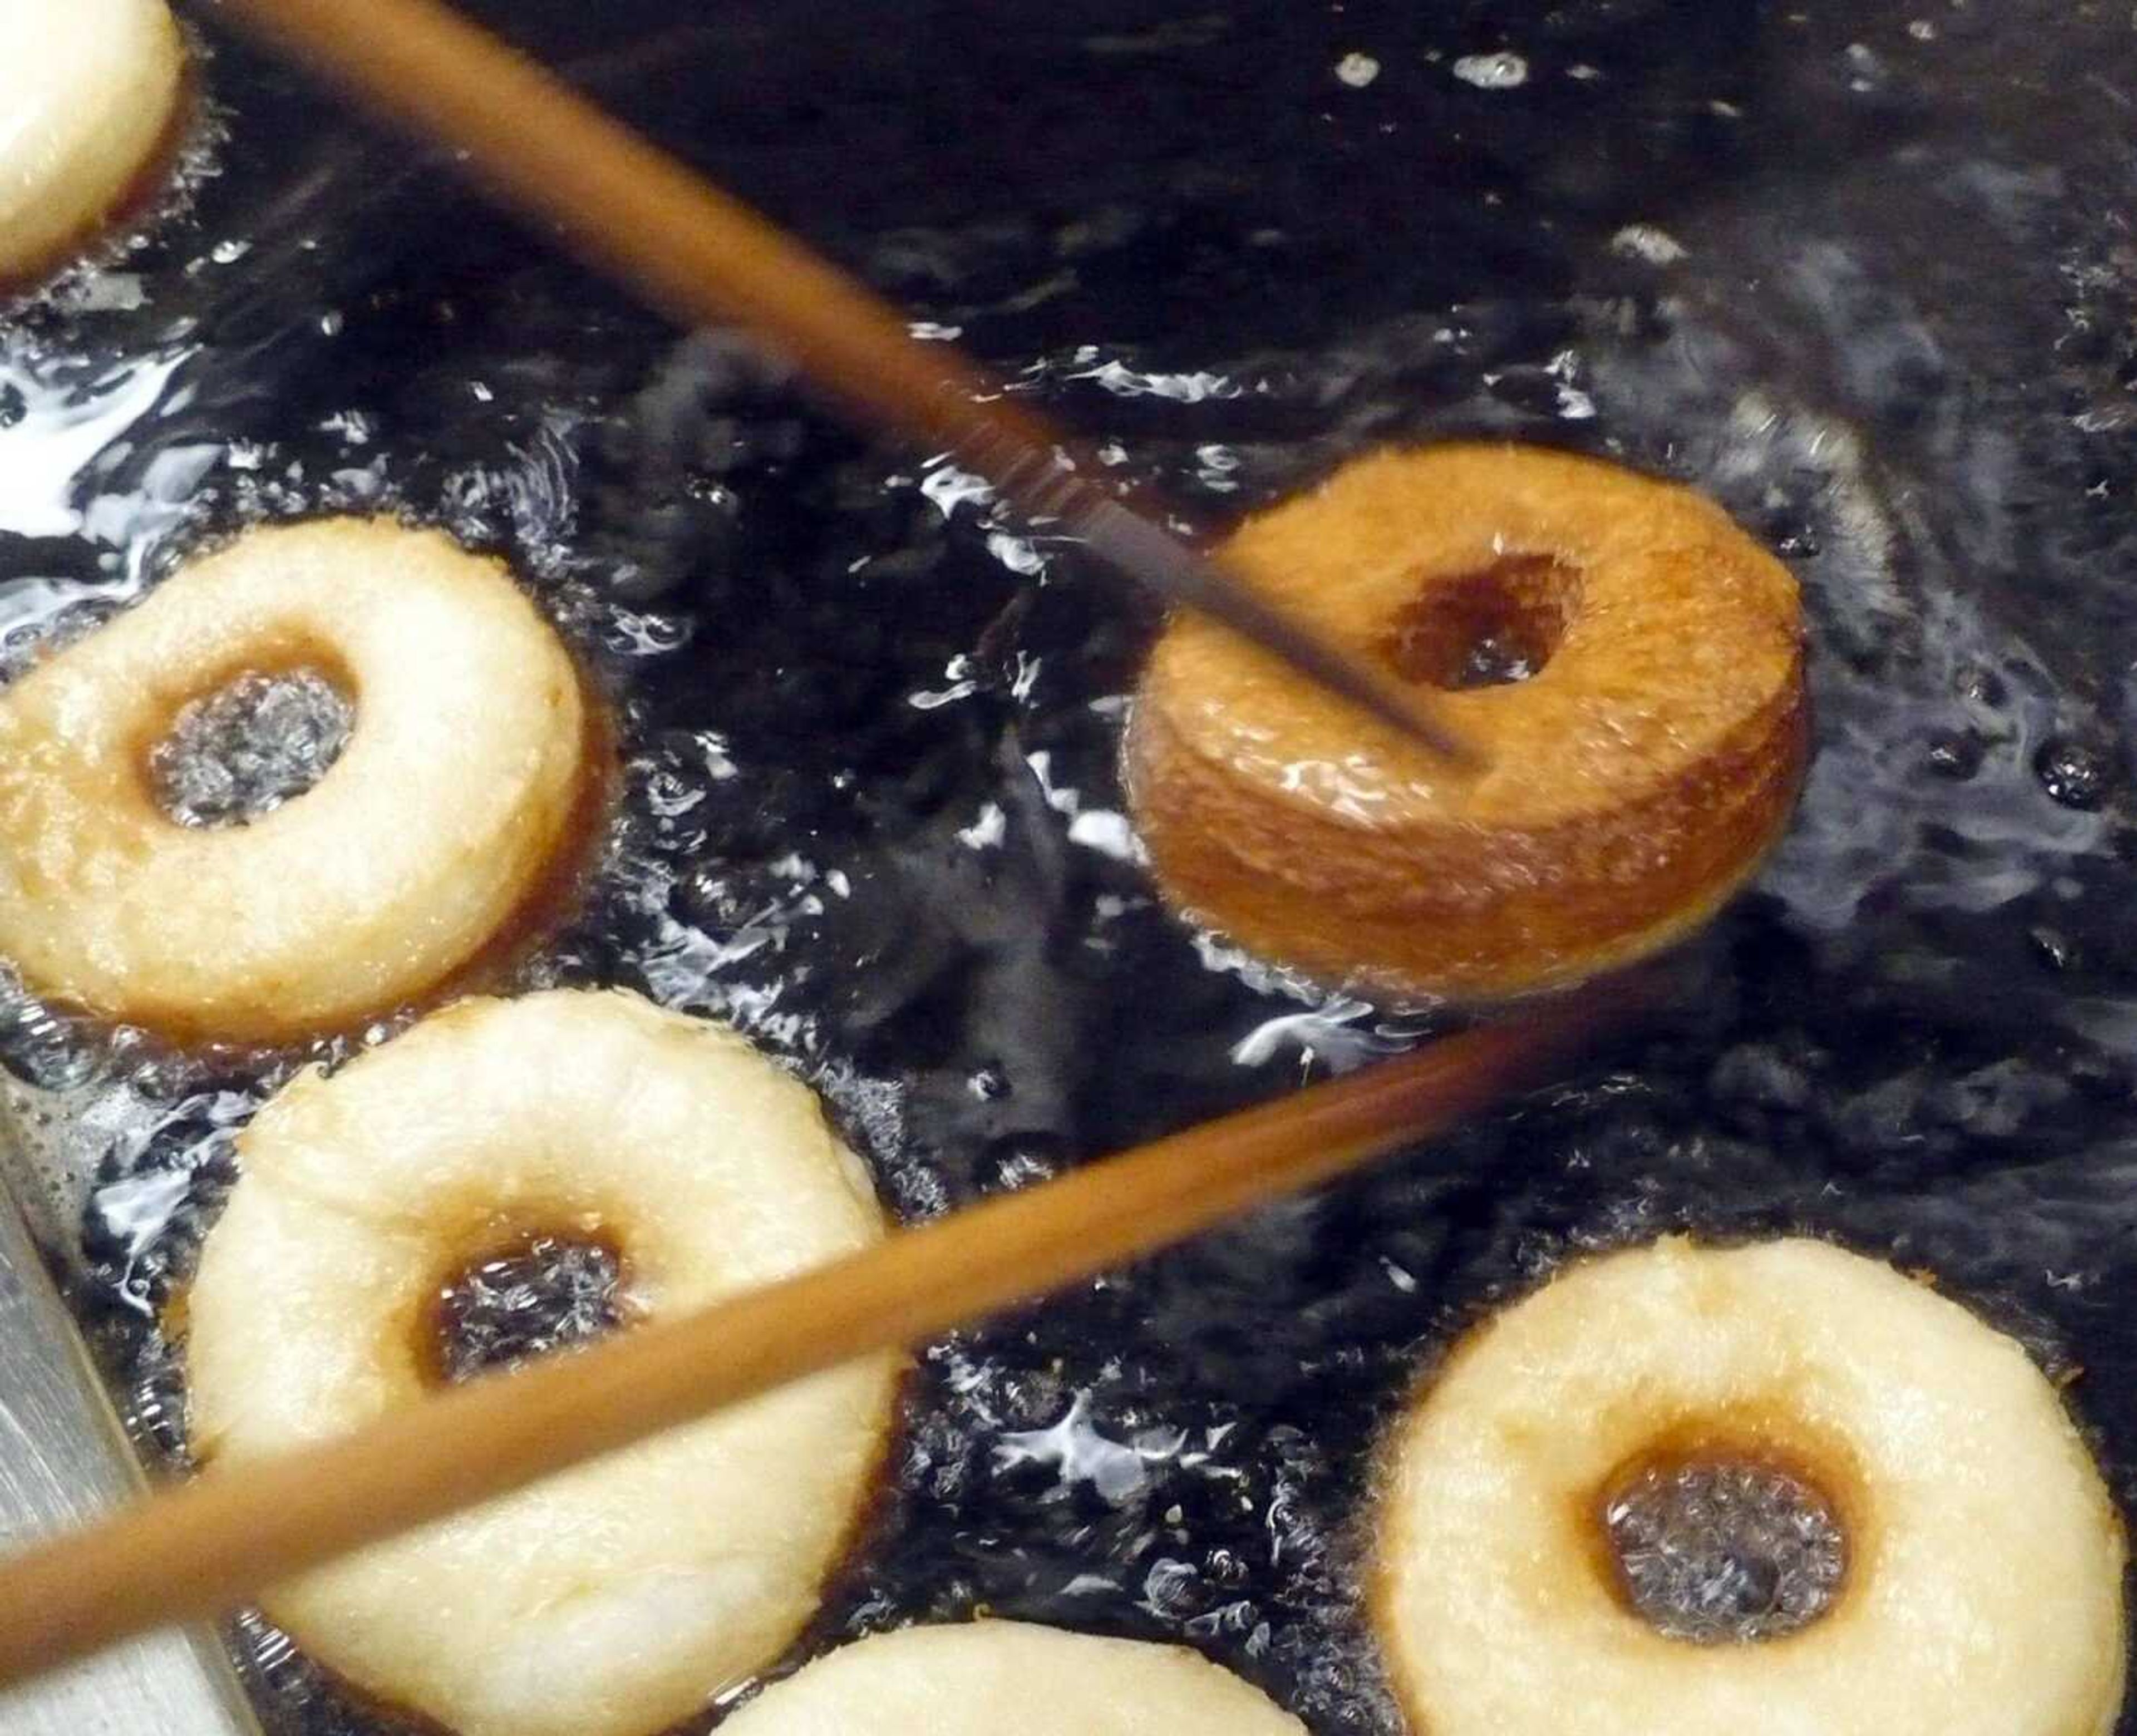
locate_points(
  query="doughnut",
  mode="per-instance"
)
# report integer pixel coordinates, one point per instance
(1629, 663)
(619, 1597)
(445, 816)
(1980, 1589)
(91, 91)
(986, 1678)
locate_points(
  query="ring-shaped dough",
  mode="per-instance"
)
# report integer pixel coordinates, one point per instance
(1635, 779)
(989, 1678)
(89, 92)
(617, 1597)
(1983, 1589)
(442, 821)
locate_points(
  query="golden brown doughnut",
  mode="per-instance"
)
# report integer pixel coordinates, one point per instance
(1981, 1593)
(1636, 777)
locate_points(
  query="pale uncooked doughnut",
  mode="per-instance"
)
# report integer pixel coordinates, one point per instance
(442, 817)
(89, 90)
(618, 1597)
(1011, 1679)
(1983, 1589)
(1636, 779)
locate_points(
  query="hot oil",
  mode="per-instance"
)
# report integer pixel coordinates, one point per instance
(870, 810)
(257, 741)
(537, 1294)
(1719, 1553)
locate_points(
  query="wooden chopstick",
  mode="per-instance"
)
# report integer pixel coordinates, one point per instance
(200, 1550)
(702, 256)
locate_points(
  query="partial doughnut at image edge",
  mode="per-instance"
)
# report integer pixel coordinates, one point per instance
(96, 96)
(984, 1678)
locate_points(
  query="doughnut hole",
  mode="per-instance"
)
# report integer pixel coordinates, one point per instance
(1732, 1529)
(1488, 627)
(528, 1292)
(245, 747)
(1722, 1545)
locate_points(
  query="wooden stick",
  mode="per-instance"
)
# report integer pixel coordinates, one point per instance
(702, 257)
(201, 1550)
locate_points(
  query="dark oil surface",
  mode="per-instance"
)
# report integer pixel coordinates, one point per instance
(1864, 272)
